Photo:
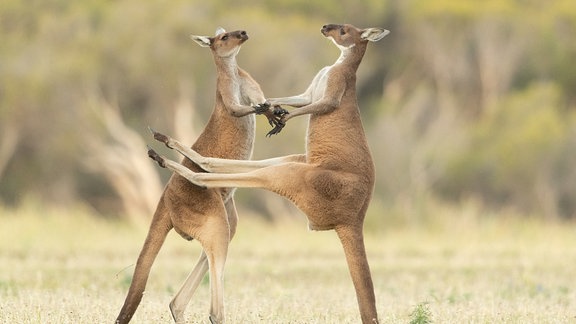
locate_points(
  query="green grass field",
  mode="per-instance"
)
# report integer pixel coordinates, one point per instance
(69, 267)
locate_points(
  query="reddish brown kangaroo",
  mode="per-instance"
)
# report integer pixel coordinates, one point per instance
(207, 215)
(333, 182)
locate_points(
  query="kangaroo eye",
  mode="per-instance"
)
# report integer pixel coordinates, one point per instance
(225, 37)
(342, 31)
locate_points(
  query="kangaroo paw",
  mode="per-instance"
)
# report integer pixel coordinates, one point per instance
(279, 111)
(261, 108)
(279, 126)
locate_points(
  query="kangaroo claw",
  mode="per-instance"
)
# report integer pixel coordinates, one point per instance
(279, 126)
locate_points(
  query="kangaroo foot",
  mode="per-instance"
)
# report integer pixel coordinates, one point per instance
(214, 320)
(160, 137)
(156, 157)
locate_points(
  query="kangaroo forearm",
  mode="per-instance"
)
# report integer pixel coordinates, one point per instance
(317, 108)
(240, 110)
(295, 101)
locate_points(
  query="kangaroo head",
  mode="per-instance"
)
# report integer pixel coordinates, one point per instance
(347, 36)
(224, 44)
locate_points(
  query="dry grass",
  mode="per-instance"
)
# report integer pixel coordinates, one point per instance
(68, 267)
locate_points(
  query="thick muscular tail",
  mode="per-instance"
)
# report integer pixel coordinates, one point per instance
(161, 225)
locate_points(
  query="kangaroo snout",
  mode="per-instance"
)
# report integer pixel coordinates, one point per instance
(242, 35)
(326, 28)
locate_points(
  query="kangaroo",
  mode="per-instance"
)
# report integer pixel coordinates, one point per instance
(207, 215)
(333, 182)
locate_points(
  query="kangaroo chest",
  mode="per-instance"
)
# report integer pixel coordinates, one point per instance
(320, 83)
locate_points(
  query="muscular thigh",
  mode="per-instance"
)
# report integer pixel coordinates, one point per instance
(192, 213)
(327, 197)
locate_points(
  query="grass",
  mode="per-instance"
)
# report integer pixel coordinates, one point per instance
(421, 314)
(65, 266)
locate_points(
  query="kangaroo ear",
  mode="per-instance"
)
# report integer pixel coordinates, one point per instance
(219, 31)
(374, 34)
(203, 41)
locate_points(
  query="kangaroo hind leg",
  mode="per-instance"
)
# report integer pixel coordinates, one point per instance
(182, 298)
(352, 241)
(180, 302)
(161, 225)
(215, 238)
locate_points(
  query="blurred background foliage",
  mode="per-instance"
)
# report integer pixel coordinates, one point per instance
(465, 101)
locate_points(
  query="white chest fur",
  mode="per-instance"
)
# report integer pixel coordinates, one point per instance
(319, 87)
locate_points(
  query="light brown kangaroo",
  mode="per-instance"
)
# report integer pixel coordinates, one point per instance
(207, 215)
(333, 182)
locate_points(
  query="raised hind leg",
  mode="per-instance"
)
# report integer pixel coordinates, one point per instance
(216, 165)
(183, 297)
(274, 178)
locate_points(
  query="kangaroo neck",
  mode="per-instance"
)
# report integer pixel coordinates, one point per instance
(226, 66)
(352, 56)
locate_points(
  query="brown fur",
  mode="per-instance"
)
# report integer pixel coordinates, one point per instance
(196, 213)
(333, 182)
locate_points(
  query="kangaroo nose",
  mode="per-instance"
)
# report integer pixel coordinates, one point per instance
(242, 35)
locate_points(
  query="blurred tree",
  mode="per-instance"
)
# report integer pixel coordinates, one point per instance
(455, 101)
(119, 160)
(511, 157)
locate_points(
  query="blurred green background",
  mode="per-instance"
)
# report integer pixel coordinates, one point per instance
(465, 103)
